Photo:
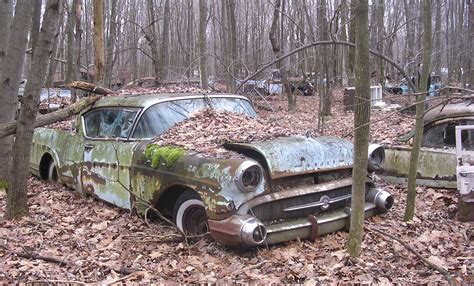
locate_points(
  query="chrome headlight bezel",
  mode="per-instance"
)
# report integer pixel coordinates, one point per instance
(376, 157)
(249, 176)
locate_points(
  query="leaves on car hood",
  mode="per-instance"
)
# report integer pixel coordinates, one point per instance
(207, 130)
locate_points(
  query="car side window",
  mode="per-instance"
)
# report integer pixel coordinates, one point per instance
(109, 123)
(442, 135)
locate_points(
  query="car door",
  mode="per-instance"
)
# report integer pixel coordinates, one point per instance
(108, 154)
(465, 171)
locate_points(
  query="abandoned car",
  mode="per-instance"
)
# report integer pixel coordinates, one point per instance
(275, 191)
(437, 160)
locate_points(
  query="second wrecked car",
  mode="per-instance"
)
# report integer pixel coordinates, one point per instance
(274, 191)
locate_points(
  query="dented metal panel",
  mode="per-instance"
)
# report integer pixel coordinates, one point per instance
(290, 156)
(436, 167)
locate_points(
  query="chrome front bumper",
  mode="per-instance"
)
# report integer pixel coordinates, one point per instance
(246, 230)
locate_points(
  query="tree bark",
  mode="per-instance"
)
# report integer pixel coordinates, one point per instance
(278, 54)
(151, 37)
(71, 73)
(10, 78)
(203, 44)
(362, 127)
(16, 205)
(165, 41)
(98, 41)
(110, 44)
(420, 109)
(470, 51)
(6, 13)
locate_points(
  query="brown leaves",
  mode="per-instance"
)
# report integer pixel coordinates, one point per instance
(208, 129)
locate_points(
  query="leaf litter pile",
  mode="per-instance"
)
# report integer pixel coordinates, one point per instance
(208, 130)
(68, 238)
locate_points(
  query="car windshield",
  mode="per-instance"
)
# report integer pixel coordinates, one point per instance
(160, 117)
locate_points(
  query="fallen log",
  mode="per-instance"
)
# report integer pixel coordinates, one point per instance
(9, 128)
(90, 87)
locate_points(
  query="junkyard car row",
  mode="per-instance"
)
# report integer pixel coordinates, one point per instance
(279, 190)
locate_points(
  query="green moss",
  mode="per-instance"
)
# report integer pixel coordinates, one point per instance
(3, 184)
(163, 155)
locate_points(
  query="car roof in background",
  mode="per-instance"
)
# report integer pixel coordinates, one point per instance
(465, 108)
(146, 100)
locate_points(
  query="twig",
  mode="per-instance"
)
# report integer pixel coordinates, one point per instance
(139, 273)
(65, 282)
(438, 268)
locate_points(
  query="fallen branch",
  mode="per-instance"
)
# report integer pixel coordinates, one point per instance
(90, 87)
(438, 268)
(36, 256)
(9, 128)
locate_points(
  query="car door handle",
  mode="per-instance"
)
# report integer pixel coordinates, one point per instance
(465, 173)
(88, 147)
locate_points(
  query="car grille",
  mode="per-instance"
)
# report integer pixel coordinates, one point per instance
(275, 210)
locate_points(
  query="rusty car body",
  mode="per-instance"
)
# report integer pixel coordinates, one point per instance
(437, 161)
(275, 191)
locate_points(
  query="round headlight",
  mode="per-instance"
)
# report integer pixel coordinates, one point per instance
(249, 176)
(376, 157)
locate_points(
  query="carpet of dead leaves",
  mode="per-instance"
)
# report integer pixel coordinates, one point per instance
(90, 241)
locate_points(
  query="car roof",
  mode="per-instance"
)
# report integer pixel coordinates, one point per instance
(452, 110)
(461, 109)
(147, 100)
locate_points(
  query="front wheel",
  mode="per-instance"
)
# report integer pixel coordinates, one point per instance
(190, 215)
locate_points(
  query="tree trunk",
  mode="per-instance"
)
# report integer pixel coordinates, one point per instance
(232, 38)
(98, 41)
(203, 44)
(10, 78)
(325, 85)
(151, 37)
(437, 40)
(344, 50)
(110, 44)
(165, 41)
(6, 13)
(35, 25)
(361, 127)
(278, 53)
(77, 46)
(16, 205)
(53, 63)
(71, 74)
(420, 109)
(470, 51)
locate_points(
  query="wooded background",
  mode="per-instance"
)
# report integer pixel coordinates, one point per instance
(162, 38)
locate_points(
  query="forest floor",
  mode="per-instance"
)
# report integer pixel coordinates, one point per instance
(69, 238)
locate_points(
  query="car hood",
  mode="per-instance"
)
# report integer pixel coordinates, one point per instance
(290, 156)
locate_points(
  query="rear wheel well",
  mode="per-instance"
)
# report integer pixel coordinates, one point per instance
(167, 200)
(44, 165)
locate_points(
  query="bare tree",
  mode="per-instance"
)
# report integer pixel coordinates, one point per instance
(109, 59)
(17, 194)
(10, 78)
(6, 9)
(98, 41)
(203, 44)
(420, 110)
(361, 127)
(278, 53)
(165, 41)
